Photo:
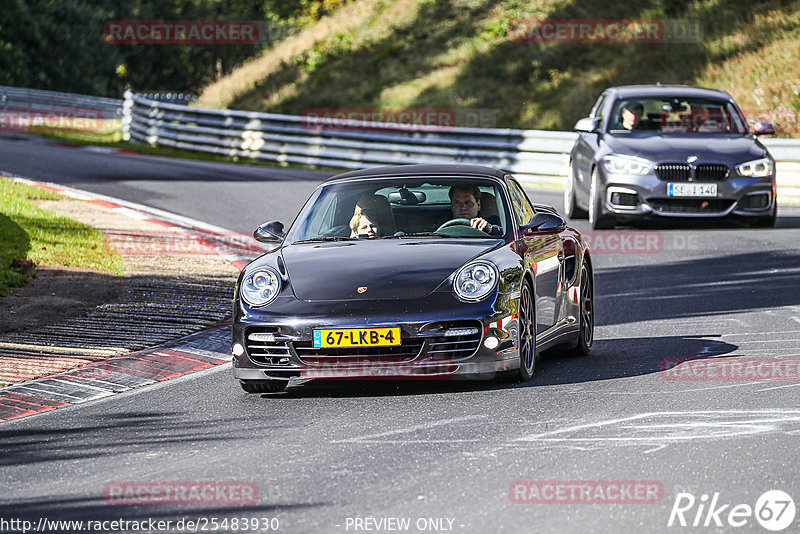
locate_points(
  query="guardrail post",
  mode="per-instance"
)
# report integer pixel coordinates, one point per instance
(127, 105)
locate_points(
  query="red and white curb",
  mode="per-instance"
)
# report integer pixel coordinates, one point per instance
(121, 373)
(115, 375)
(235, 247)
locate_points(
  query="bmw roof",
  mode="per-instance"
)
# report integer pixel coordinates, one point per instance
(633, 91)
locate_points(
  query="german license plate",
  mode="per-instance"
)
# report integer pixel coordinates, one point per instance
(356, 337)
(692, 190)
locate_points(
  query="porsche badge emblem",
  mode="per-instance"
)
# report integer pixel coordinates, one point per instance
(362, 289)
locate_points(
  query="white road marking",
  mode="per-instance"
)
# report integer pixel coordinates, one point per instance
(413, 428)
(664, 428)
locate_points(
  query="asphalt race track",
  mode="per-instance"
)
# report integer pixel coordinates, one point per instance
(364, 456)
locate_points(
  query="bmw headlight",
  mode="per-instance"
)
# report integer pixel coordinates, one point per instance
(626, 165)
(475, 281)
(758, 168)
(260, 287)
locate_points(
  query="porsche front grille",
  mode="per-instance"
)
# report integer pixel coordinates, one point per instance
(453, 348)
(408, 350)
(269, 352)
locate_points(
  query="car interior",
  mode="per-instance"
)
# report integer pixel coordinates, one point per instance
(405, 210)
(681, 116)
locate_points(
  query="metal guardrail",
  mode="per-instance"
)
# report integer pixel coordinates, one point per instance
(19, 98)
(542, 156)
(533, 155)
(342, 144)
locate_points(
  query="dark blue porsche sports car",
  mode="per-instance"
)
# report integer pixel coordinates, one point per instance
(414, 271)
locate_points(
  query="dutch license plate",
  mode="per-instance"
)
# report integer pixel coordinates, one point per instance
(692, 190)
(356, 337)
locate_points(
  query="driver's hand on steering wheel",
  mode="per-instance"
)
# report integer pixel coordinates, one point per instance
(481, 224)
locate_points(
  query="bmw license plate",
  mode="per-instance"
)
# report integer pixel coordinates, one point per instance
(357, 337)
(692, 190)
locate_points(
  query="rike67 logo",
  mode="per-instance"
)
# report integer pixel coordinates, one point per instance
(774, 510)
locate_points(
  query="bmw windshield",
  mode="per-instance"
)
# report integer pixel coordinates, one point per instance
(678, 115)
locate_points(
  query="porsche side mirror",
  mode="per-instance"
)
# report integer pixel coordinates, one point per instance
(271, 232)
(588, 125)
(545, 222)
(763, 128)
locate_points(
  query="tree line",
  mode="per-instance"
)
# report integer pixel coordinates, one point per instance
(60, 44)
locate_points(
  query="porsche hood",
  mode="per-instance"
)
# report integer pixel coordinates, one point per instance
(377, 269)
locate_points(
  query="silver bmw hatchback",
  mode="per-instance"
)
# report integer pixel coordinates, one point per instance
(669, 151)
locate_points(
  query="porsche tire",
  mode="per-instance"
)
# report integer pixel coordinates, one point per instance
(526, 333)
(585, 339)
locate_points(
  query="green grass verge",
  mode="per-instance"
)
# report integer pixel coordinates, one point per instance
(32, 234)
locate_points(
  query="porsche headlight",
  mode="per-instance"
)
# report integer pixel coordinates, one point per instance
(260, 287)
(475, 281)
(626, 165)
(758, 168)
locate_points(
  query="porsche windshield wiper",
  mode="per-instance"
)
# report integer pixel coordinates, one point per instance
(323, 239)
(419, 234)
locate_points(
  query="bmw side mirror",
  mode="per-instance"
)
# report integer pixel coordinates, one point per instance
(763, 128)
(271, 232)
(545, 222)
(588, 125)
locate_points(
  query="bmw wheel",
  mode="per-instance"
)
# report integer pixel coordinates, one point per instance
(767, 221)
(570, 203)
(598, 218)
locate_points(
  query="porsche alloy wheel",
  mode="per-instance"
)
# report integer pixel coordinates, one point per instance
(263, 386)
(527, 333)
(586, 334)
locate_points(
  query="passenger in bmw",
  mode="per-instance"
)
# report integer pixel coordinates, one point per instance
(465, 203)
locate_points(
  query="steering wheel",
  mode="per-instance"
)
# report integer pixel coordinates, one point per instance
(454, 222)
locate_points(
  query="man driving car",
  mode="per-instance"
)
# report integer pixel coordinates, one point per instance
(465, 203)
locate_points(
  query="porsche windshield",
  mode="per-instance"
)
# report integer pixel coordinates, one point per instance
(668, 115)
(403, 207)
